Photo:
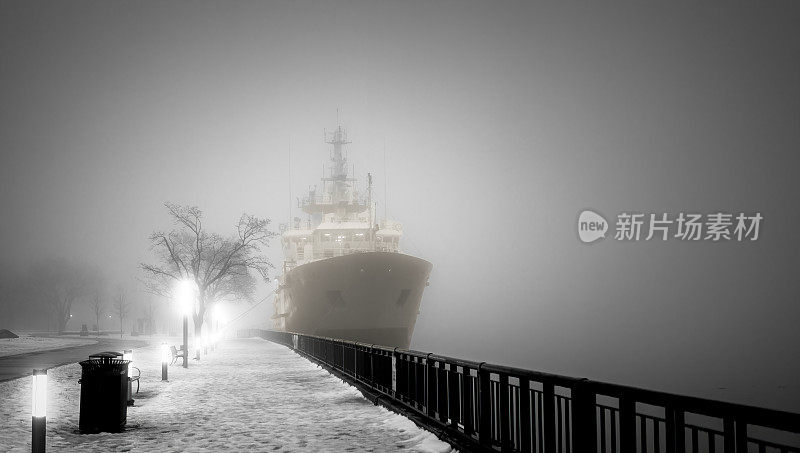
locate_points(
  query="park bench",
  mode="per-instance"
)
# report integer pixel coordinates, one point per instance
(177, 353)
(132, 378)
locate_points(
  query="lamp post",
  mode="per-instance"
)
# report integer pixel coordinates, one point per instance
(185, 299)
(164, 358)
(186, 340)
(39, 411)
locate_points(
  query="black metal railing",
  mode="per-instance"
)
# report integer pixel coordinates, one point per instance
(486, 407)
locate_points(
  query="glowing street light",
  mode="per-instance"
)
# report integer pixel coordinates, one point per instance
(39, 411)
(164, 359)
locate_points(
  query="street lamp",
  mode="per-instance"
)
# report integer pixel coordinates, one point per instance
(185, 296)
(39, 411)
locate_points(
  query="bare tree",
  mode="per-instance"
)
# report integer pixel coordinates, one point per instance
(98, 307)
(219, 266)
(121, 307)
(58, 284)
(149, 312)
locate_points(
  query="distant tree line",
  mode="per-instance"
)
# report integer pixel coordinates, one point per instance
(43, 296)
(46, 295)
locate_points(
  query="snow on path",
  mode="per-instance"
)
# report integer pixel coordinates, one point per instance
(22, 345)
(247, 395)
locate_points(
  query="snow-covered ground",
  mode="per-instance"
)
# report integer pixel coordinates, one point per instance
(247, 395)
(23, 344)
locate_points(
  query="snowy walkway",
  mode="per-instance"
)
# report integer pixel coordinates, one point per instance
(247, 395)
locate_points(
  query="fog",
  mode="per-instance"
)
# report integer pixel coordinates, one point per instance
(500, 123)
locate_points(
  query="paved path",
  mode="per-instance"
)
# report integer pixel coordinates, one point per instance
(247, 395)
(20, 365)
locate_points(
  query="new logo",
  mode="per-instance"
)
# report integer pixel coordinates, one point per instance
(591, 226)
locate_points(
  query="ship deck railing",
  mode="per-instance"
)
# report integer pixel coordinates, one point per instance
(330, 253)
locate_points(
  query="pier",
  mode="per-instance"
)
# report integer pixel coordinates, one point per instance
(246, 395)
(489, 408)
(288, 394)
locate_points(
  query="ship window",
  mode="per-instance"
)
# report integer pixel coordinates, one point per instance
(403, 297)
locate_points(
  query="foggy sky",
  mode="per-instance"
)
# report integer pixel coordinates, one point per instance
(501, 122)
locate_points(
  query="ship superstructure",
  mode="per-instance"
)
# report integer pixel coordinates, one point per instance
(344, 275)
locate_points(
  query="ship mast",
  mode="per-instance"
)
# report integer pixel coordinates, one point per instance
(338, 193)
(338, 166)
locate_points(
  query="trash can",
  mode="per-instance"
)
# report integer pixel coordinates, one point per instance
(104, 393)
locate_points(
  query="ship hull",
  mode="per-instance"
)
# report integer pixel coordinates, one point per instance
(371, 297)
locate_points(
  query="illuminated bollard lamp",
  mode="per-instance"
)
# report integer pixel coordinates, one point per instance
(39, 411)
(127, 354)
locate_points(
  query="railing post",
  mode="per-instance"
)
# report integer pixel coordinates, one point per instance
(484, 407)
(741, 436)
(729, 434)
(584, 423)
(410, 368)
(504, 420)
(549, 415)
(394, 373)
(419, 379)
(355, 362)
(627, 425)
(371, 356)
(467, 400)
(680, 431)
(525, 414)
(669, 415)
(453, 401)
(430, 387)
(442, 401)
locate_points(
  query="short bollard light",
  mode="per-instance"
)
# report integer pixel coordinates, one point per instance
(127, 354)
(39, 411)
(164, 359)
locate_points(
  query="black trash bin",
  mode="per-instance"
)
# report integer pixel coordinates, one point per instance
(104, 393)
